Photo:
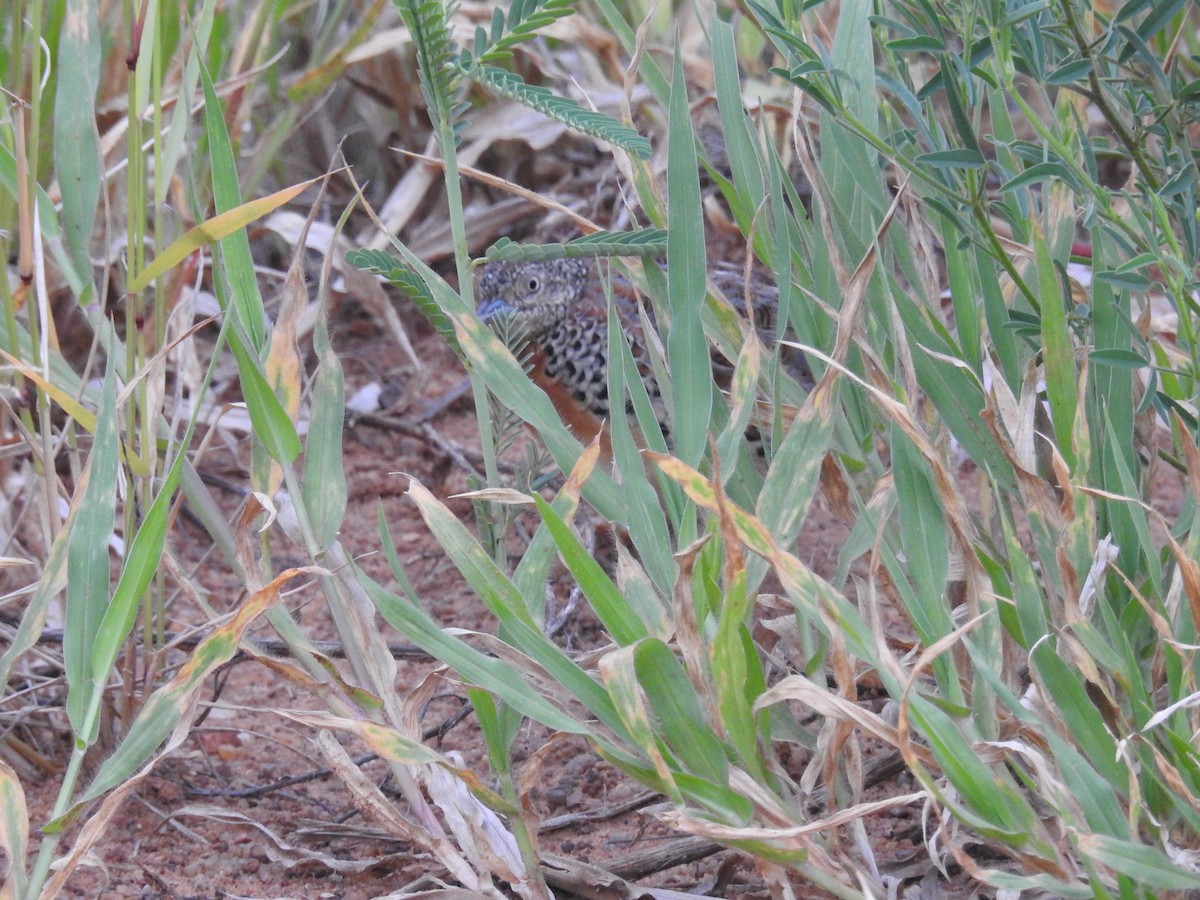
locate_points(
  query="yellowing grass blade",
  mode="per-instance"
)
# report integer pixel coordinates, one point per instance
(212, 230)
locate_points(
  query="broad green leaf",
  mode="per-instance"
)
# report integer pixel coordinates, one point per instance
(1063, 686)
(677, 713)
(1119, 359)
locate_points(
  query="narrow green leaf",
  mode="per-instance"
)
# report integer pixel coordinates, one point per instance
(737, 676)
(505, 603)
(677, 711)
(687, 348)
(925, 43)
(1147, 866)
(497, 676)
(1040, 172)
(172, 702)
(1124, 281)
(88, 564)
(621, 622)
(993, 804)
(174, 144)
(142, 560)
(561, 109)
(271, 423)
(1069, 72)
(646, 512)
(1119, 359)
(1058, 351)
(76, 142)
(745, 165)
(794, 476)
(923, 537)
(323, 483)
(1064, 687)
(227, 195)
(951, 159)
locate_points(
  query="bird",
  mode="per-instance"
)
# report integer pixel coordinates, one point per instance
(559, 310)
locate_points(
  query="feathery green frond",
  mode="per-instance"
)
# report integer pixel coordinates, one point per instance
(400, 276)
(427, 21)
(645, 242)
(525, 18)
(561, 109)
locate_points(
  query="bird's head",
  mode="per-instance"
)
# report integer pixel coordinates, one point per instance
(535, 294)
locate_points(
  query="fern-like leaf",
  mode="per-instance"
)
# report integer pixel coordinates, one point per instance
(400, 276)
(427, 22)
(561, 109)
(644, 242)
(525, 19)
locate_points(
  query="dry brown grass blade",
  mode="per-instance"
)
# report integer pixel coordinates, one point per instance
(792, 838)
(369, 800)
(822, 702)
(535, 199)
(282, 852)
(584, 880)
(383, 741)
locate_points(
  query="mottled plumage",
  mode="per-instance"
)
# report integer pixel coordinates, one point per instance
(564, 315)
(559, 307)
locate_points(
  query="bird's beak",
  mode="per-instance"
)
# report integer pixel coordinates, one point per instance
(490, 309)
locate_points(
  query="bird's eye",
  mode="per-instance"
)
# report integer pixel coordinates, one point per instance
(534, 284)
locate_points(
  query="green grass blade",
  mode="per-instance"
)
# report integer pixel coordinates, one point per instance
(496, 676)
(247, 301)
(14, 833)
(1147, 866)
(677, 712)
(620, 620)
(323, 483)
(76, 142)
(923, 537)
(687, 348)
(172, 704)
(88, 562)
(505, 603)
(273, 427)
(1058, 351)
(142, 559)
